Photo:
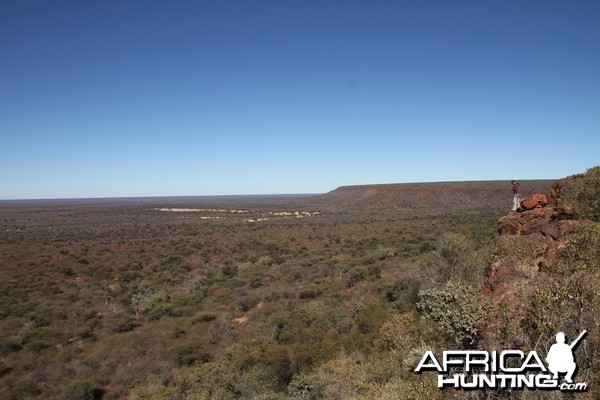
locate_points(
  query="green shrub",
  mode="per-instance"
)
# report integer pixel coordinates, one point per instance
(310, 291)
(229, 270)
(148, 299)
(370, 317)
(569, 301)
(305, 386)
(40, 317)
(581, 251)
(189, 354)
(399, 334)
(161, 310)
(217, 380)
(383, 252)
(582, 192)
(455, 309)
(356, 274)
(455, 259)
(403, 293)
(245, 303)
(173, 263)
(457, 250)
(79, 390)
(204, 316)
(524, 247)
(121, 322)
(378, 254)
(265, 261)
(570, 298)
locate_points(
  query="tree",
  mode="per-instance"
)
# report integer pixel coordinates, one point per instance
(455, 259)
(455, 309)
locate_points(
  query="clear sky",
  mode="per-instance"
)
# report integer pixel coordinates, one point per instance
(166, 98)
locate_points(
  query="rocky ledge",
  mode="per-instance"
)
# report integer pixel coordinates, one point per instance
(512, 280)
(543, 221)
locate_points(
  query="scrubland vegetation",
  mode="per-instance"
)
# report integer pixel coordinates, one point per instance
(131, 303)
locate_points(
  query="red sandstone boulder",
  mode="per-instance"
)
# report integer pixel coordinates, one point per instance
(560, 229)
(529, 203)
(542, 224)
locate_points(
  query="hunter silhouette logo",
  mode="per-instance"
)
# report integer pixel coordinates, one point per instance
(560, 357)
(508, 369)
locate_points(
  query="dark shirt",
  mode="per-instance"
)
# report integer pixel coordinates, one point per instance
(516, 188)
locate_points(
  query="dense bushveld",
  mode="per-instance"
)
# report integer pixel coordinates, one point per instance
(129, 302)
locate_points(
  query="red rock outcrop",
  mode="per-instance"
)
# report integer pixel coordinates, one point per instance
(511, 281)
(534, 201)
(539, 220)
(502, 276)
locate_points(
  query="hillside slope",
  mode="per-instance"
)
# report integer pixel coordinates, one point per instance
(428, 198)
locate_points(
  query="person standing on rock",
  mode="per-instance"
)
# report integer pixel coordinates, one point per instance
(516, 189)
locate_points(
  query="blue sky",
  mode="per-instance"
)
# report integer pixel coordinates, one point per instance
(158, 98)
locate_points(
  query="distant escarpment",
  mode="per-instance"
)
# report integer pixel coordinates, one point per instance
(428, 198)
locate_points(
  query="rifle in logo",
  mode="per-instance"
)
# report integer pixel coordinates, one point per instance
(560, 357)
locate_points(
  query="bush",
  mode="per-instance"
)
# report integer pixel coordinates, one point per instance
(148, 299)
(175, 263)
(570, 299)
(403, 293)
(399, 334)
(204, 316)
(245, 303)
(455, 310)
(370, 318)
(523, 247)
(455, 259)
(569, 302)
(120, 323)
(229, 270)
(265, 261)
(310, 291)
(582, 251)
(189, 354)
(379, 254)
(305, 386)
(79, 390)
(215, 380)
(582, 192)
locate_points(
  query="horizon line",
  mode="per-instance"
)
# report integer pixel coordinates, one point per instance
(103, 198)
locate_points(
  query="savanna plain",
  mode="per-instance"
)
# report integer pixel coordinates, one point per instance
(333, 296)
